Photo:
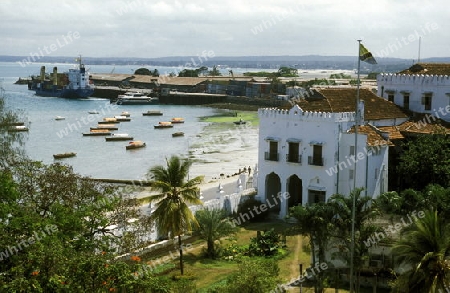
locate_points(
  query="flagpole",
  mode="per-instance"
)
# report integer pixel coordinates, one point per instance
(352, 245)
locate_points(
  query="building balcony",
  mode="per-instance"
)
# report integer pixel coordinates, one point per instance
(294, 158)
(268, 156)
(315, 161)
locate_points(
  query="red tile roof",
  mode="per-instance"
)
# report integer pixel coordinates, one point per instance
(421, 127)
(428, 68)
(344, 99)
(393, 132)
(374, 138)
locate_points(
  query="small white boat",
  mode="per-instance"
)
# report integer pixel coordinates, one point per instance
(135, 98)
(18, 128)
(122, 118)
(118, 136)
(125, 113)
(93, 112)
(60, 118)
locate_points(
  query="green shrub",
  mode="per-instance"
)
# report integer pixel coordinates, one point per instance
(266, 243)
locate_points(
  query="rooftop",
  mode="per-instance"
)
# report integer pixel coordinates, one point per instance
(393, 132)
(428, 68)
(409, 128)
(374, 138)
(344, 100)
(421, 127)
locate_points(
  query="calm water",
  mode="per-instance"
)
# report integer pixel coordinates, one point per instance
(214, 148)
(211, 146)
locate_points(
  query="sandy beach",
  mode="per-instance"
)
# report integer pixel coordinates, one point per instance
(221, 150)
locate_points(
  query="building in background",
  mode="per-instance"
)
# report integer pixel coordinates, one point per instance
(424, 88)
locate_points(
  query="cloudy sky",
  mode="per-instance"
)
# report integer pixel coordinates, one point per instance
(152, 28)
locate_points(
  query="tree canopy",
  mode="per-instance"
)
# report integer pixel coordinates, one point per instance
(425, 160)
(145, 71)
(424, 250)
(61, 230)
(213, 225)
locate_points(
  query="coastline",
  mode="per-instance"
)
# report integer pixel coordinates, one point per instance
(211, 159)
(223, 148)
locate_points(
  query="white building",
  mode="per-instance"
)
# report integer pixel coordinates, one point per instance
(308, 151)
(423, 88)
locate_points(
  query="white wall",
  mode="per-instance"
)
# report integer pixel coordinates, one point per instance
(328, 129)
(309, 127)
(417, 85)
(369, 161)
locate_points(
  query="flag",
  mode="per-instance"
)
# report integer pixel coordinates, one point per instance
(365, 55)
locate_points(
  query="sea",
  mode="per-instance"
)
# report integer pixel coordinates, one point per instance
(214, 148)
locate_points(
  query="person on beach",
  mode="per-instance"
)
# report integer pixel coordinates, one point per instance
(249, 170)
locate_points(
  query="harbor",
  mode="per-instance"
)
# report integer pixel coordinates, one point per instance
(214, 149)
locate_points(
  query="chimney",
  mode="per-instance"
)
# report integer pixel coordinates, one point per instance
(55, 76)
(42, 73)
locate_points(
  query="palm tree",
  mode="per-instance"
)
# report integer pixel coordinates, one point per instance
(365, 212)
(315, 221)
(212, 226)
(425, 249)
(172, 214)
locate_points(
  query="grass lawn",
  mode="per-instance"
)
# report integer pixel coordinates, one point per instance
(227, 116)
(206, 272)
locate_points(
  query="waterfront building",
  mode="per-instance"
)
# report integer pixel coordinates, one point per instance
(423, 88)
(308, 151)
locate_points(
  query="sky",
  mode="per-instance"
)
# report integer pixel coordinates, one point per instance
(152, 28)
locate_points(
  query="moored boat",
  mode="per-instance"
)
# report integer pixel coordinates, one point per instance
(135, 98)
(179, 133)
(163, 124)
(121, 118)
(17, 128)
(9, 124)
(152, 113)
(97, 132)
(125, 113)
(109, 120)
(135, 144)
(71, 84)
(106, 126)
(240, 122)
(64, 155)
(177, 120)
(118, 137)
(60, 118)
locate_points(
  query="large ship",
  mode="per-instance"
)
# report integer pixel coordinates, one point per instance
(73, 84)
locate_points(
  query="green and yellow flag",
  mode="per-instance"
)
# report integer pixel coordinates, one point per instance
(365, 55)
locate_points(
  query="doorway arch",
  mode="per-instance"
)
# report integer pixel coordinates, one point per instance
(273, 188)
(295, 189)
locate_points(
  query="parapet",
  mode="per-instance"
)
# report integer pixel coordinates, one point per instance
(297, 114)
(416, 79)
